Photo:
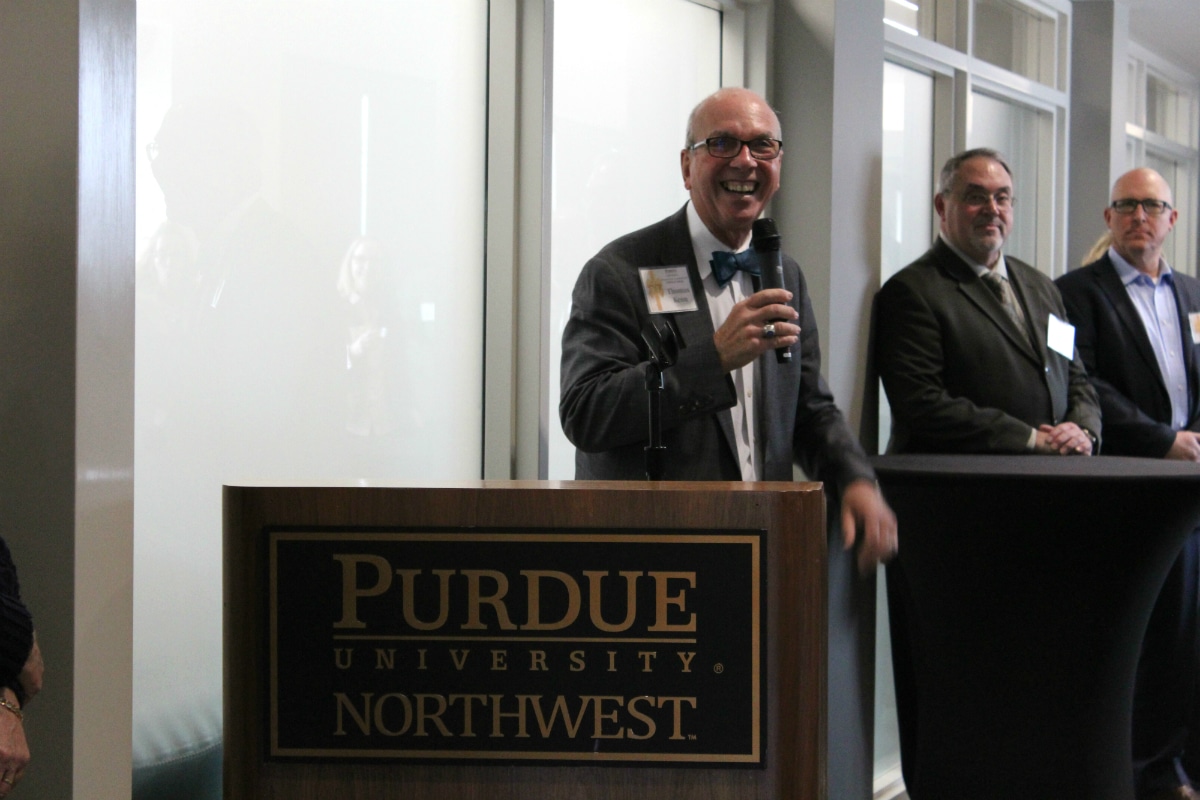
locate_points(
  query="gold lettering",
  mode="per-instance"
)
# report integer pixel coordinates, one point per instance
(533, 578)
(686, 657)
(342, 656)
(351, 591)
(677, 705)
(498, 660)
(651, 727)
(497, 715)
(647, 656)
(459, 657)
(405, 704)
(599, 717)
(385, 659)
(421, 658)
(577, 662)
(424, 716)
(344, 704)
(476, 598)
(595, 604)
(537, 659)
(468, 723)
(663, 600)
(408, 580)
(612, 660)
(559, 708)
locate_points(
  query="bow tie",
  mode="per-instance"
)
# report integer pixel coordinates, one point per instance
(724, 264)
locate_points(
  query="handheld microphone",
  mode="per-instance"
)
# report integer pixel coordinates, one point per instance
(766, 244)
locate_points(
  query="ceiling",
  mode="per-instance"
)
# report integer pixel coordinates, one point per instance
(1169, 28)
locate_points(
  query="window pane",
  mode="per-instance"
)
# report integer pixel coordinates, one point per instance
(1168, 110)
(906, 231)
(1012, 129)
(1017, 38)
(619, 126)
(310, 195)
(908, 167)
(915, 17)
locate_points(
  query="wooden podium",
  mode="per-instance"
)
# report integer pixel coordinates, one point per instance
(585, 589)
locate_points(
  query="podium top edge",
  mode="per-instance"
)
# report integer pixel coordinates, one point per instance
(527, 485)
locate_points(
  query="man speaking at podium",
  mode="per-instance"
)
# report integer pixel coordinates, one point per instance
(728, 413)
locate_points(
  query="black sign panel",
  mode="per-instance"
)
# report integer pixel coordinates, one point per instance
(525, 645)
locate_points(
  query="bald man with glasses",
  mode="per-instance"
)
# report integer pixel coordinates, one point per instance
(730, 409)
(1137, 325)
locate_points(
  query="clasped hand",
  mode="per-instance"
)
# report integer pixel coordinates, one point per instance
(740, 339)
(1064, 439)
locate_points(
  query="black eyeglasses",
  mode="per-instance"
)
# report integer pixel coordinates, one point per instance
(1002, 199)
(763, 148)
(1154, 208)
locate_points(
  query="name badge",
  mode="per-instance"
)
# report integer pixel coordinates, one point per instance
(667, 290)
(1194, 321)
(1060, 337)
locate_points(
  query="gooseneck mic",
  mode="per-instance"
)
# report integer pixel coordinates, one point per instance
(765, 241)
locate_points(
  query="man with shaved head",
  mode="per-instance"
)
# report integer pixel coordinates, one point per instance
(730, 410)
(1137, 325)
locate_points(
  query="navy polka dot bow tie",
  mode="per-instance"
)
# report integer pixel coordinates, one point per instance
(724, 264)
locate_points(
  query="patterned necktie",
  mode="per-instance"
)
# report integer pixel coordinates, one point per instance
(1004, 293)
(724, 264)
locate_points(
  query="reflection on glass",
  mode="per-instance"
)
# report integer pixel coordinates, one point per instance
(619, 121)
(1018, 38)
(914, 17)
(297, 231)
(1012, 129)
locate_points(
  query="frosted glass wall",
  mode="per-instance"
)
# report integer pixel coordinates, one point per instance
(310, 223)
(626, 75)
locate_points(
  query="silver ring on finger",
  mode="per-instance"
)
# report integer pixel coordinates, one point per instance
(769, 330)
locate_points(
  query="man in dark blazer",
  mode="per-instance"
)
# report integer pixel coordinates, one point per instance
(1137, 326)
(972, 369)
(730, 411)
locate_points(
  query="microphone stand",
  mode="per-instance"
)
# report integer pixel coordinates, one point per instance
(655, 451)
(663, 342)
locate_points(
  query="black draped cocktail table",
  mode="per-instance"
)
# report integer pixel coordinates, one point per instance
(1018, 604)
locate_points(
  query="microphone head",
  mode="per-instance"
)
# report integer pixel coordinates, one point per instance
(764, 235)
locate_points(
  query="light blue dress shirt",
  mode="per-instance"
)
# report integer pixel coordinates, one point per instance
(1156, 305)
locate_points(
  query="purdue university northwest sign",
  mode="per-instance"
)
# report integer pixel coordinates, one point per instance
(530, 645)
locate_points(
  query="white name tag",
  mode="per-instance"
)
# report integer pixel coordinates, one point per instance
(1060, 337)
(667, 290)
(1194, 321)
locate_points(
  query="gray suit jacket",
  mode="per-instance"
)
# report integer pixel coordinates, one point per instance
(604, 409)
(1120, 361)
(960, 376)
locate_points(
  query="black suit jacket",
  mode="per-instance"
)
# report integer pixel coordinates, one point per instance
(960, 376)
(1120, 362)
(604, 410)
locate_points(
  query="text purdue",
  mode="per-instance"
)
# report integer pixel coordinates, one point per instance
(370, 576)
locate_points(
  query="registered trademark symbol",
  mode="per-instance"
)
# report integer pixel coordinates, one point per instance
(718, 668)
